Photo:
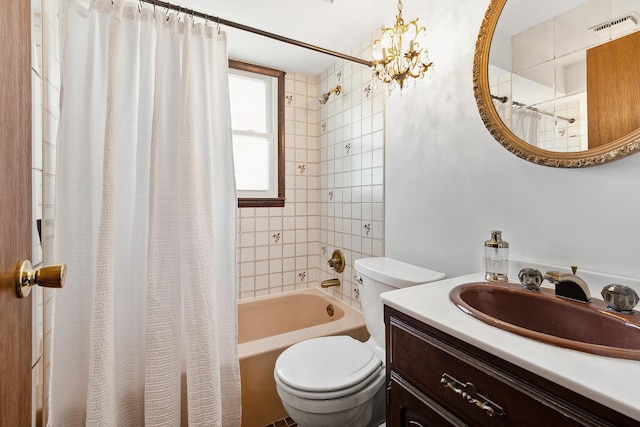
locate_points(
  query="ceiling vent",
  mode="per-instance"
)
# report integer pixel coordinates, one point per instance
(617, 26)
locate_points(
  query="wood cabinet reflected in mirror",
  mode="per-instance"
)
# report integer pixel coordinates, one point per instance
(557, 83)
(611, 101)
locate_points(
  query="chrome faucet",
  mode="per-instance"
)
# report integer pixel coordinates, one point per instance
(569, 286)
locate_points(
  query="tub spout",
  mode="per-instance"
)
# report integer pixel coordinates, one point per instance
(330, 282)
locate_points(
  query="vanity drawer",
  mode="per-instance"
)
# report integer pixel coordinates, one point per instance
(411, 408)
(477, 392)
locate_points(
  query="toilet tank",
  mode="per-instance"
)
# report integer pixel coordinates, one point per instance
(381, 274)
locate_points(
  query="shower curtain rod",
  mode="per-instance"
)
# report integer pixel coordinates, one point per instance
(504, 99)
(242, 27)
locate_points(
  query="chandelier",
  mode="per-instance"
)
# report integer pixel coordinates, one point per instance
(398, 54)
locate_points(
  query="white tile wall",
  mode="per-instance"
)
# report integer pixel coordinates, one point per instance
(274, 243)
(37, 170)
(334, 187)
(501, 86)
(50, 118)
(559, 134)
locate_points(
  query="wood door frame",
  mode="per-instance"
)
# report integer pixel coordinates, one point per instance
(15, 211)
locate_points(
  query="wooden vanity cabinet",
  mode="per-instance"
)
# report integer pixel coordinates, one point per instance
(434, 379)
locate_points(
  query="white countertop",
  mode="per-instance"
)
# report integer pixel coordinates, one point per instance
(610, 381)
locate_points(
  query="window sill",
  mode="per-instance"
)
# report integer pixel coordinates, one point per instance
(261, 203)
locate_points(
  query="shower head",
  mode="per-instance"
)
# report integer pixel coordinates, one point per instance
(325, 97)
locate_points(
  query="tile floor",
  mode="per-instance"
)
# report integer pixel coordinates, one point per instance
(286, 422)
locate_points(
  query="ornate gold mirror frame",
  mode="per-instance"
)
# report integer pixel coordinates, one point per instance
(603, 154)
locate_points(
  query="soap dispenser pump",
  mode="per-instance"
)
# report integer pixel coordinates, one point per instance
(496, 258)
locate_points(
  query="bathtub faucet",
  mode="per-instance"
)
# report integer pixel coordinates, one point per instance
(337, 261)
(330, 282)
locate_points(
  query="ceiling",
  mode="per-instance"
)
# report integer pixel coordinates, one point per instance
(337, 25)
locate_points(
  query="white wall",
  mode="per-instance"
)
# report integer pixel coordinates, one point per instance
(448, 182)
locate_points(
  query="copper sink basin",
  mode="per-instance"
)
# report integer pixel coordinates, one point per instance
(544, 317)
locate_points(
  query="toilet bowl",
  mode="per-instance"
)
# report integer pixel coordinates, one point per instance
(339, 381)
(329, 381)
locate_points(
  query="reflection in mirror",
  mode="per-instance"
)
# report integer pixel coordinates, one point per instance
(527, 77)
(555, 81)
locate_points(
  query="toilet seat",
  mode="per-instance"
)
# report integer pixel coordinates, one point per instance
(327, 367)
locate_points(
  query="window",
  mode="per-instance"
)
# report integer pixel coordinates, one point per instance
(257, 120)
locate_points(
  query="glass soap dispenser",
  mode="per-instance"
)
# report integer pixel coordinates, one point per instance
(496, 258)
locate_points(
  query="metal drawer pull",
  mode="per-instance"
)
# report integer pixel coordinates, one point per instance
(468, 392)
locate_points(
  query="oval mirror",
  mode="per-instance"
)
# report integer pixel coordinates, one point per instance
(558, 82)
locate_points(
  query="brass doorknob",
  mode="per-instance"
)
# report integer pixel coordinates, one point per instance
(52, 276)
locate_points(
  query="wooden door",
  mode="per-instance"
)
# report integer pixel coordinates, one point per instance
(613, 110)
(15, 210)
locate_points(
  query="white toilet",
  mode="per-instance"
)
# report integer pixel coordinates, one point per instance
(339, 381)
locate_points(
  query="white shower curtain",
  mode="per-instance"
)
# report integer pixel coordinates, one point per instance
(145, 331)
(526, 124)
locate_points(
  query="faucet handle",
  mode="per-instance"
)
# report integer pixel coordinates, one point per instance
(530, 279)
(337, 261)
(620, 298)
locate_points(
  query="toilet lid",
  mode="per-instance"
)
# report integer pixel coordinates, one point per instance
(326, 364)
